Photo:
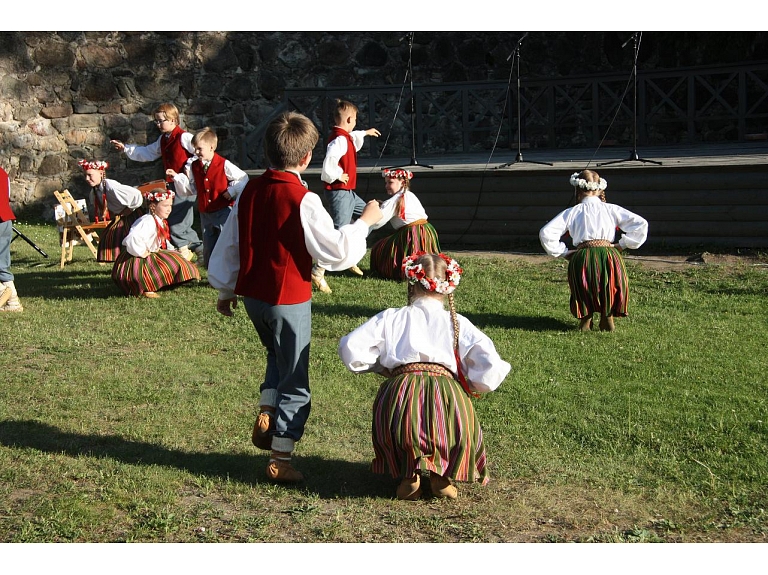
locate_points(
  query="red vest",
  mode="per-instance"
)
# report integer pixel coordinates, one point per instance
(6, 214)
(211, 185)
(275, 265)
(174, 155)
(348, 161)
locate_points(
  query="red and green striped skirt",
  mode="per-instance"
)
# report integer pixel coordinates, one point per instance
(111, 239)
(160, 269)
(424, 422)
(598, 281)
(388, 253)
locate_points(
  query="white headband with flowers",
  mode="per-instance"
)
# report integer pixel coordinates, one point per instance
(158, 195)
(93, 165)
(414, 273)
(583, 184)
(397, 173)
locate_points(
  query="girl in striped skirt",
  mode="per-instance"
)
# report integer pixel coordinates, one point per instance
(435, 361)
(413, 232)
(117, 203)
(150, 262)
(596, 274)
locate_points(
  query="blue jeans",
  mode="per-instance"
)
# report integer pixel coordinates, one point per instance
(180, 222)
(6, 235)
(212, 223)
(343, 205)
(285, 331)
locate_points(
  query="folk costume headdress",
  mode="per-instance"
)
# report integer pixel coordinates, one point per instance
(159, 194)
(414, 274)
(578, 182)
(93, 165)
(397, 173)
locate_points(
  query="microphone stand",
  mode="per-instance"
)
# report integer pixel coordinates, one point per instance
(414, 161)
(633, 157)
(519, 158)
(26, 239)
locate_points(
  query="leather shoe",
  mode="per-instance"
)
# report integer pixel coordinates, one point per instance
(265, 422)
(281, 471)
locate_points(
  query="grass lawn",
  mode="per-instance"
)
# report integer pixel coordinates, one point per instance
(129, 420)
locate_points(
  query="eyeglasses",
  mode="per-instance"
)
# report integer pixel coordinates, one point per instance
(158, 122)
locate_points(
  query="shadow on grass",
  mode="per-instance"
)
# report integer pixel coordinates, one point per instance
(525, 323)
(328, 479)
(482, 320)
(69, 284)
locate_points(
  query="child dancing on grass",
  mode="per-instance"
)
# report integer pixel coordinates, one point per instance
(434, 361)
(596, 274)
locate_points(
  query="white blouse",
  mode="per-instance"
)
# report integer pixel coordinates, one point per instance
(143, 236)
(336, 149)
(423, 332)
(593, 219)
(414, 211)
(119, 196)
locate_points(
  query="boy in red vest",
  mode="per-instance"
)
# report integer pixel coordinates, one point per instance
(264, 253)
(215, 181)
(340, 176)
(174, 146)
(9, 298)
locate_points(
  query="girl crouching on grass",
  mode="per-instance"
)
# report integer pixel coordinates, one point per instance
(150, 262)
(435, 361)
(117, 203)
(596, 274)
(412, 232)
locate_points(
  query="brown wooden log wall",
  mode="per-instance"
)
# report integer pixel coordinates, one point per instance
(725, 206)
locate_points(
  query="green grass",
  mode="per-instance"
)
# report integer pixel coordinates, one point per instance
(129, 420)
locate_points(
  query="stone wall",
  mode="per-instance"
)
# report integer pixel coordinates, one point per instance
(66, 94)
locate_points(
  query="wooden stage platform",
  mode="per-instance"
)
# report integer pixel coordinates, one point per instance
(702, 195)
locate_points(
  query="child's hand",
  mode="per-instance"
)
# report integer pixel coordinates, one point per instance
(371, 213)
(118, 145)
(344, 178)
(372, 132)
(223, 306)
(170, 172)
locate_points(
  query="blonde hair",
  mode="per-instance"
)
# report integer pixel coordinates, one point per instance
(435, 267)
(343, 106)
(289, 138)
(170, 112)
(207, 136)
(590, 176)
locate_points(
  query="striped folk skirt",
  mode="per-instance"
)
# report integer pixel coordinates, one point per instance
(598, 281)
(111, 239)
(160, 269)
(388, 253)
(424, 422)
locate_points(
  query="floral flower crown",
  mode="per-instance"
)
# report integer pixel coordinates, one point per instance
(158, 195)
(397, 173)
(583, 184)
(93, 165)
(414, 273)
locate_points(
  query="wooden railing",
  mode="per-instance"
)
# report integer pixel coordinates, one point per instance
(681, 106)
